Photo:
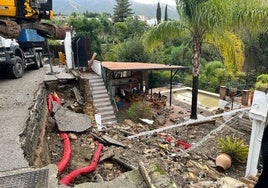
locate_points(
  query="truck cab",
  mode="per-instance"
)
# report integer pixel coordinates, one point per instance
(26, 52)
(9, 62)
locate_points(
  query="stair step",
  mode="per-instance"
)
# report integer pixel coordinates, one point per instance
(101, 99)
(106, 113)
(97, 84)
(95, 81)
(93, 76)
(102, 104)
(105, 108)
(99, 92)
(99, 87)
(100, 96)
(111, 117)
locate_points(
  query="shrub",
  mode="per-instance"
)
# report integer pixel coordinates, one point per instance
(139, 110)
(262, 82)
(234, 147)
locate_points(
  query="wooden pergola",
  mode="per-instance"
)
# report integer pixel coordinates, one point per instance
(138, 66)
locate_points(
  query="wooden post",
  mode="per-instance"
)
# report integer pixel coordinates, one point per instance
(245, 97)
(222, 92)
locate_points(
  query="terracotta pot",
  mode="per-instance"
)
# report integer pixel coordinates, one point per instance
(223, 162)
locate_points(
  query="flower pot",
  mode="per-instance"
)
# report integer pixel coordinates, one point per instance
(223, 162)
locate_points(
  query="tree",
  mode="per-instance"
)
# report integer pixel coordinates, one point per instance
(200, 18)
(166, 14)
(135, 27)
(158, 13)
(122, 10)
(133, 51)
(86, 27)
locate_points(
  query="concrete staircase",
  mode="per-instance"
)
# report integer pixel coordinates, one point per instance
(101, 99)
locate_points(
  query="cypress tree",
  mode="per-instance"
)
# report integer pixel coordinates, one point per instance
(122, 10)
(158, 13)
(166, 15)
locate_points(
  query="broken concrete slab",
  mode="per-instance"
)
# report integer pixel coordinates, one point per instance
(71, 121)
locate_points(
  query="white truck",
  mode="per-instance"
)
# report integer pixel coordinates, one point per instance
(17, 55)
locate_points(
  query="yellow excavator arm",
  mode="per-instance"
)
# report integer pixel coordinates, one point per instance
(23, 14)
(7, 8)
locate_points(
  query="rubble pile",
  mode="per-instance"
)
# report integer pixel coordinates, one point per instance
(186, 153)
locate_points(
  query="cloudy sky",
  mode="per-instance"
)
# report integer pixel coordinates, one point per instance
(169, 2)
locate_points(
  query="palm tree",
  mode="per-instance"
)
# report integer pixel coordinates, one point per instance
(199, 20)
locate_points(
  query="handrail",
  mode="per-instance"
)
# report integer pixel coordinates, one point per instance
(115, 105)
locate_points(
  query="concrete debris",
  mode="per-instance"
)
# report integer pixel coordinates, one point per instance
(112, 141)
(107, 154)
(78, 96)
(147, 121)
(132, 179)
(69, 121)
(56, 107)
(125, 162)
(228, 182)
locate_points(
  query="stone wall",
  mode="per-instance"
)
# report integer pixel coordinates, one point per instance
(33, 138)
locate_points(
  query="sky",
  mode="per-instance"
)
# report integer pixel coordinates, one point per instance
(169, 2)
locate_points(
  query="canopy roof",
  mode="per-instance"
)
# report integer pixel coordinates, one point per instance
(122, 66)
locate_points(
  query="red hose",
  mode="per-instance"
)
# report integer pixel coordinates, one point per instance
(49, 102)
(56, 98)
(66, 180)
(67, 152)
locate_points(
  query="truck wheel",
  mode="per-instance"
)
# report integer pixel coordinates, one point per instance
(16, 70)
(42, 62)
(37, 63)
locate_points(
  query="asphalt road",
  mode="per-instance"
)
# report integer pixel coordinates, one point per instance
(16, 96)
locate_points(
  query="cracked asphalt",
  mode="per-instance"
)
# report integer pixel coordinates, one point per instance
(16, 96)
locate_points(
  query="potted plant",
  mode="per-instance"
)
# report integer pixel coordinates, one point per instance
(232, 149)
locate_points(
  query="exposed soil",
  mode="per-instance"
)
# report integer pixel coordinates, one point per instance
(188, 168)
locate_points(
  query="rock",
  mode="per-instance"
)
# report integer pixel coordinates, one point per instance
(192, 136)
(72, 136)
(108, 165)
(160, 120)
(129, 123)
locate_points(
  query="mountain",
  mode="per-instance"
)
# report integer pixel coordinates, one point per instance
(99, 6)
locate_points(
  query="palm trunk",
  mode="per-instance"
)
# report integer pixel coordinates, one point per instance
(194, 98)
(196, 58)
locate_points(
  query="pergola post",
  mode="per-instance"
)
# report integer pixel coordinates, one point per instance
(258, 113)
